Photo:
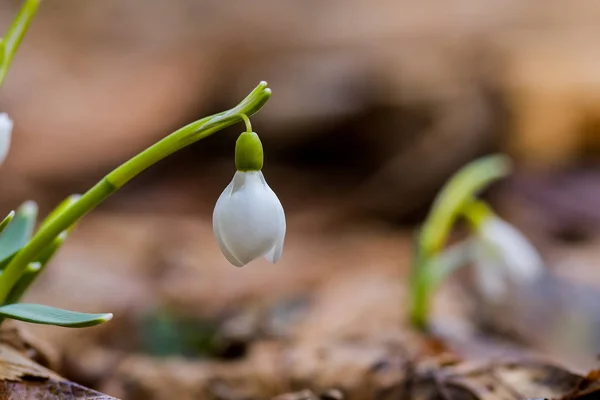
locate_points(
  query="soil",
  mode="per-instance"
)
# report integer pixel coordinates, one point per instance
(327, 322)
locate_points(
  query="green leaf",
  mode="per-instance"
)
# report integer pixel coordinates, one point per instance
(451, 259)
(19, 289)
(35, 268)
(18, 232)
(7, 220)
(46, 315)
(48, 252)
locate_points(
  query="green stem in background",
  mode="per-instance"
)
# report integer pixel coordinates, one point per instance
(457, 194)
(121, 175)
(420, 293)
(10, 42)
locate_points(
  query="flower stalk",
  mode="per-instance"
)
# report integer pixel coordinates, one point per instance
(457, 194)
(11, 41)
(24, 257)
(112, 182)
(248, 219)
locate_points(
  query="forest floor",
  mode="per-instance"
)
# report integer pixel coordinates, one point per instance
(327, 322)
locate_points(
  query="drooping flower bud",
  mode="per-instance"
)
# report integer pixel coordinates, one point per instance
(248, 220)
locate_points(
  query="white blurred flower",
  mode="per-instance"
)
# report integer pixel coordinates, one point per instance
(248, 220)
(502, 256)
(6, 126)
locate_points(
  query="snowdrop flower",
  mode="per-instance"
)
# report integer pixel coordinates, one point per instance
(248, 220)
(6, 126)
(503, 256)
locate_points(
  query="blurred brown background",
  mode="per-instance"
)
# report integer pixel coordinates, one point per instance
(364, 91)
(375, 104)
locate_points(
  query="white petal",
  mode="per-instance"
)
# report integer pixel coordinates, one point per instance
(489, 276)
(275, 253)
(249, 218)
(490, 282)
(216, 213)
(522, 262)
(6, 126)
(230, 257)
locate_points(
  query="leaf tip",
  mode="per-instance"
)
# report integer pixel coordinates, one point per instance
(106, 317)
(30, 207)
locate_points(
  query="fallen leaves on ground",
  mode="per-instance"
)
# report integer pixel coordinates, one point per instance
(325, 320)
(21, 378)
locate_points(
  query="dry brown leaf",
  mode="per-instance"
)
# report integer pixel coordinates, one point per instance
(21, 378)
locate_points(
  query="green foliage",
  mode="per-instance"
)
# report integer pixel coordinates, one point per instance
(35, 268)
(70, 214)
(11, 41)
(457, 196)
(17, 232)
(6, 220)
(46, 315)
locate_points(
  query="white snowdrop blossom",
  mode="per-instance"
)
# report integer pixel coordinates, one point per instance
(6, 126)
(248, 220)
(503, 255)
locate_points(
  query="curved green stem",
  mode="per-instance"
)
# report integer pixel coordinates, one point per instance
(247, 122)
(121, 175)
(14, 36)
(458, 192)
